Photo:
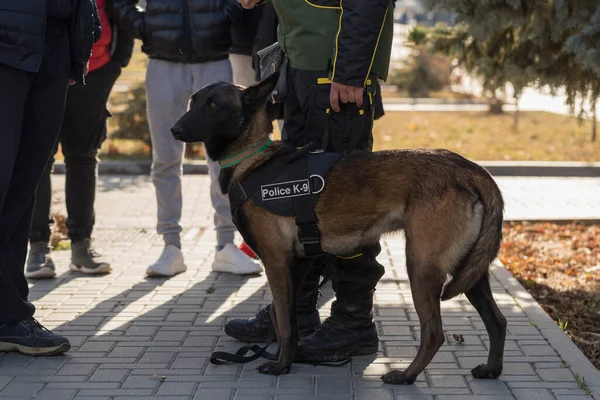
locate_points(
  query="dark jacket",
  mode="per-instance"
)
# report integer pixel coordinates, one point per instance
(243, 31)
(22, 34)
(351, 39)
(186, 31)
(121, 45)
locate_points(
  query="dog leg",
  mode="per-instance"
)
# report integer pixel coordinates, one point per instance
(277, 268)
(481, 297)
(426, 286)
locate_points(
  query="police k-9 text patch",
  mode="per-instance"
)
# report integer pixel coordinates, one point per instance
(282, 190)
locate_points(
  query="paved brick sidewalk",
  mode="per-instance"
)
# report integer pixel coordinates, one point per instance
(135, 337)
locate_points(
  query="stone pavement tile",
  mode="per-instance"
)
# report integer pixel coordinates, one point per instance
(333, 387)
(556, 374)
(21, 389)
(91, 346)
(86, 396)
(272, 392)
(141, 382)
(154, 398)
(13, 397)
(177, 388)
(157, 357)
(542, 385)
(112, 393)
(109, 375)
(200, 340)
(77, 369)
(213, 394)
(476, 397)
(125, 351)
(447, 381)
(533, 394)
(538, 350)
(15, 360)
(55, 394)
(298, 381)
(383, 393)
(169, 336)
(571, 397)
(299, 397)
(485, 386)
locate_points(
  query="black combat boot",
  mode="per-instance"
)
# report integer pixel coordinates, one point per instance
(257, 328)
(349, 331)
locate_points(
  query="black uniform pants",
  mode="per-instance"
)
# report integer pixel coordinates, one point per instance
(308, 117)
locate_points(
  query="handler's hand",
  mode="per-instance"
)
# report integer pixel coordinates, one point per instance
(345, 94)
(248, 3)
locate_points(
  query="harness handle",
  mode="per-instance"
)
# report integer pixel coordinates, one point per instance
(356, 131)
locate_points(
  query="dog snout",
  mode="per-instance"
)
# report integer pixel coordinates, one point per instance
(177, 132)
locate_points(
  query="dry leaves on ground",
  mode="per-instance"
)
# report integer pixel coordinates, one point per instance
(559, 264)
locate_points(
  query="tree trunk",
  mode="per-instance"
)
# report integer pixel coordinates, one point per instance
(496, 105)
(594, 121)
(516, 115)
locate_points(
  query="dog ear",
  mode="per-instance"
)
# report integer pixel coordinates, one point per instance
(256, 95)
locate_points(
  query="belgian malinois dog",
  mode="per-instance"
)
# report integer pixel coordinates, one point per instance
(450, 209)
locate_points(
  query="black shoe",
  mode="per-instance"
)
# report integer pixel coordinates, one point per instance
(31, 338)
(256, 329)
(349, 331)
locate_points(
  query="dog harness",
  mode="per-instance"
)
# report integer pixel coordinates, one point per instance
(289, 186)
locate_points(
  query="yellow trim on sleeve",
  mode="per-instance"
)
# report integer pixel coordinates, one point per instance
(337, 36)
(327, 7)
(377, 44)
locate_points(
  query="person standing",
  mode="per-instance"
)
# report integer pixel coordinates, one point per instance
(82, 133)
(45, 45)
(188, 43)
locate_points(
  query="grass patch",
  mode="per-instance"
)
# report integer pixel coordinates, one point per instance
(582, 384)
(480, 136)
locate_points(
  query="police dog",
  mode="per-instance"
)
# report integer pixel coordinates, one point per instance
(450, 209)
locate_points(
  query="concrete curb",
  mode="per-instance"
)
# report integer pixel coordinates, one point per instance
(496, 168)
(556, 338)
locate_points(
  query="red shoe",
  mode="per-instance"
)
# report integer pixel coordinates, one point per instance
(248, 251)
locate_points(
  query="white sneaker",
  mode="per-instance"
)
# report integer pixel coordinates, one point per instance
(169, 263)
(231, 259)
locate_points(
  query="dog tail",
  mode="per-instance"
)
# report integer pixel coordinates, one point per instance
(477, 262)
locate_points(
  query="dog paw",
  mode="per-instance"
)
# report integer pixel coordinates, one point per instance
(274, 368)
(398, 378)
(484, 372)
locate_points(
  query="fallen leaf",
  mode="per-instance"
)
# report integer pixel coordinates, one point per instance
(458, 338)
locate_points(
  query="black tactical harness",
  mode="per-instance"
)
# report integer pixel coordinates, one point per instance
(288, 186)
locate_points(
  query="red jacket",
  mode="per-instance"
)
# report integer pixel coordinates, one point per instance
(101, 50)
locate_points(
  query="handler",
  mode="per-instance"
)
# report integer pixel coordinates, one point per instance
(337, 51)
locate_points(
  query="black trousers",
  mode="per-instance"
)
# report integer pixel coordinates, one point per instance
(31, 109)
(307, 117)
(82, 133)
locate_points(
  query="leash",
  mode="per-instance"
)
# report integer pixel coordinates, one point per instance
(249, 353)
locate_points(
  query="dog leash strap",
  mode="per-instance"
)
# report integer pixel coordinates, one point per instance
(239, 357)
